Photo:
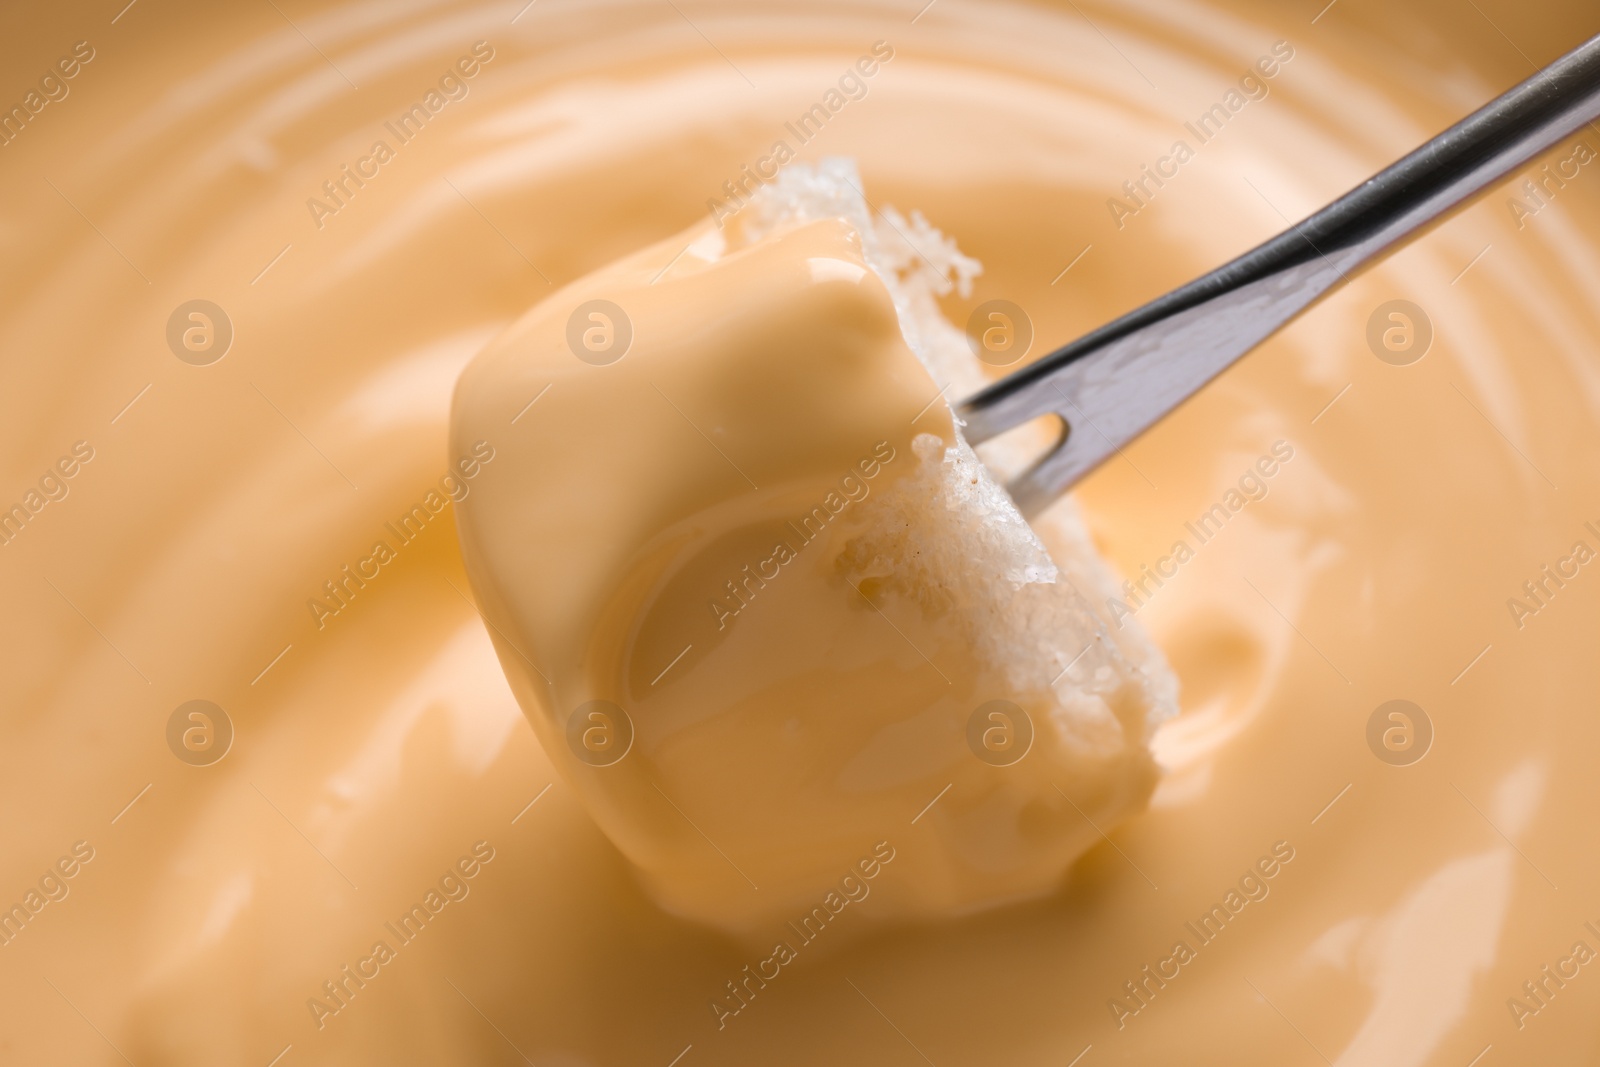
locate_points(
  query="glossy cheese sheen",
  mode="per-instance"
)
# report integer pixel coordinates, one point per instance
(1411, 912)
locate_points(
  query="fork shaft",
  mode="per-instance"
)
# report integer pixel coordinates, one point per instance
(1111, 385)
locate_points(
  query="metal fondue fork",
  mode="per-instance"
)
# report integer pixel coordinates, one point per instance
(1117, 381)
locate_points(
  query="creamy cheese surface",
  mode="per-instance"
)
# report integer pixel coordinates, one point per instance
(276, 792)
